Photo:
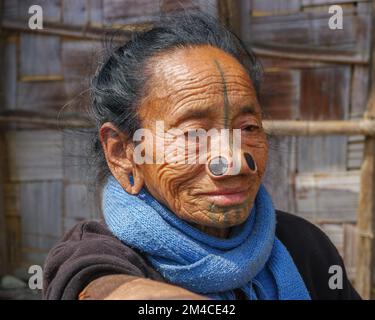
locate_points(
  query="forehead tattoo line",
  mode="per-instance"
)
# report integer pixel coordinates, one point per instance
(225, 92)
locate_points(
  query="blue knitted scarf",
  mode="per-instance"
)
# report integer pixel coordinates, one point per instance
(251, 259)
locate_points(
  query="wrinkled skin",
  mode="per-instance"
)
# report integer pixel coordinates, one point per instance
(212, 85)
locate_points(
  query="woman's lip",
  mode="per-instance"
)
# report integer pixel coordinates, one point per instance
(222, 192)
(226, 197)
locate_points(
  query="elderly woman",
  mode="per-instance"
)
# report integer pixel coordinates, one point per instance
(187, 230)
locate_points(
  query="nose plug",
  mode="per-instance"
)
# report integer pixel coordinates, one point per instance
(219, 166)
(250, 161)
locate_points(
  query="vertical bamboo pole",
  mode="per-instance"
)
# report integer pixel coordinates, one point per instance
(365, 263)
(229, 15)
(3, 162)
(3, 247)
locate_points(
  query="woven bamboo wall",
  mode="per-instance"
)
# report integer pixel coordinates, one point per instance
(46, 185)
(314, 73)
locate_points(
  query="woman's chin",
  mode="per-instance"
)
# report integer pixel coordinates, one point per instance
(223, 220)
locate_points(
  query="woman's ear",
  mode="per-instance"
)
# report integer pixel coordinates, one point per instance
(118, 150)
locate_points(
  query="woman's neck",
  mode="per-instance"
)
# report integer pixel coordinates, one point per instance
(212, 231)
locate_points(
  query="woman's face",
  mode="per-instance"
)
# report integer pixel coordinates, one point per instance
(203, 88)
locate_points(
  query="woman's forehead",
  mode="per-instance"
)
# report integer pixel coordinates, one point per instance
(196, 65)
(198, 76)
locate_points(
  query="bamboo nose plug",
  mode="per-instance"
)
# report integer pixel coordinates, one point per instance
(250, 161)
(219, 166)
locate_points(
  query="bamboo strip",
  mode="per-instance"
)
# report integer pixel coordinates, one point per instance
(277, 127)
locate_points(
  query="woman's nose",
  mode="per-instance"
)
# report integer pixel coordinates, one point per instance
(221, 166)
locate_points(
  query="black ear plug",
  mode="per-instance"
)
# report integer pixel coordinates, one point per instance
(250, 161)
(218, 166)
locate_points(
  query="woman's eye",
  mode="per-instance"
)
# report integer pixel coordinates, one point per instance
(250, 128)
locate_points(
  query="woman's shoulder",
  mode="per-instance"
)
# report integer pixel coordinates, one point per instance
(289, 226)
(314, 255)
(86, 252)
(86, 229)
(303, 239)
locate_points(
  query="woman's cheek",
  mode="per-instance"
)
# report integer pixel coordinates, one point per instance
(260, 156)
(176, 181)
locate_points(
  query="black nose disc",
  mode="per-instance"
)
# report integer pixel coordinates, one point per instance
(250, 161)
(218, 166)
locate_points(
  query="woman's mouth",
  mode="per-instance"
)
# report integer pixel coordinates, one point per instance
(226, 197)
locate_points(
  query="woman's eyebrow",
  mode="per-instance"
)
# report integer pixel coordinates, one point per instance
(248, 109)
(207, 112)
(193, 114)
